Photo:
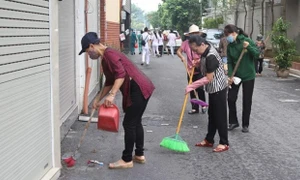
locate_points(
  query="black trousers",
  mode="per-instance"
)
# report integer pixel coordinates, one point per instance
(160, 49)
(259, 65)
(248, 87)
(200, 91)
(132, 123)
(217, 117)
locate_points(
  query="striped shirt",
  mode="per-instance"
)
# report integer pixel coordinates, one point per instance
(219, 81)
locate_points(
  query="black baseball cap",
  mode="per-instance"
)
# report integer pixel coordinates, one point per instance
(87, 39)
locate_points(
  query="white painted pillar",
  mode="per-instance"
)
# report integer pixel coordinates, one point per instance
(54, 172)
(79, 60)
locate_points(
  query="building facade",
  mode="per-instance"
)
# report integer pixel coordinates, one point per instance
(110, 23)
(263, 12)
(43, 81)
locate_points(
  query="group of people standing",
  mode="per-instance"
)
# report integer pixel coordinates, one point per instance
(152, 42)
(260, 44)
(207, 62)
(122, 74)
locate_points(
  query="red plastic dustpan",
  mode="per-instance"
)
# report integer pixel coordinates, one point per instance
(108, 118)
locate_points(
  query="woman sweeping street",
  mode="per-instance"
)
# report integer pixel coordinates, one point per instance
(238, 41)
(190, 56)
(121, 74)
(215, 82)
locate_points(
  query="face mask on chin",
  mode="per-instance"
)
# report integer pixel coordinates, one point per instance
(230, 38)
(93, 54)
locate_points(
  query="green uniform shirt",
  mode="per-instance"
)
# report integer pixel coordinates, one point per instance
(246, 70)
(140, 38)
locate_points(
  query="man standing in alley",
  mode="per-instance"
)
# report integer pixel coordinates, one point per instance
(185, 48)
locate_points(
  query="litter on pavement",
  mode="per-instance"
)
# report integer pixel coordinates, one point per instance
(92, 163)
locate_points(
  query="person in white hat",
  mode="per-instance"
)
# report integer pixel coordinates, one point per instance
(185, 48)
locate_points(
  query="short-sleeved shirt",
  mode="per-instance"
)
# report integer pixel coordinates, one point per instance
(116, 65)
(154, 40)
(172, 39)
(189, 53)
(211, 62)
(160, 39)
(140, 37)
(146, 37)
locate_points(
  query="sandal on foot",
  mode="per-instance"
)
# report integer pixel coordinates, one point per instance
(139, 159)
(120, 165)
(204, 143)
(193, 111)
(221, 149)
(204, 110)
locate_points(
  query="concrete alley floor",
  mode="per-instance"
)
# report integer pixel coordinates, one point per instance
(270, 151)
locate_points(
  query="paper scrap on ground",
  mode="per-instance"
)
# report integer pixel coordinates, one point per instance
(165, 124)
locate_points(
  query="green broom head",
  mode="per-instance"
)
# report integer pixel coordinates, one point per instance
(175, 143)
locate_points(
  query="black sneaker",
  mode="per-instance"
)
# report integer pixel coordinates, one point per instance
(245, 129)
(232, 126)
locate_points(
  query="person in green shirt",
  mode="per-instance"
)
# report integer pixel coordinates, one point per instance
(238, 40)
(140, 38)
(133, 40)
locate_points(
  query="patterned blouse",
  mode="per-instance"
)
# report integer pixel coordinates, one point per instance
(212, 62)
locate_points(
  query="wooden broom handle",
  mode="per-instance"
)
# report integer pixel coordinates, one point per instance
(191, 77)
(238, 63)
(85, 130)
(183, 106)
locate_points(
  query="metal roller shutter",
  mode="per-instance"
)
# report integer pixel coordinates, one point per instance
(25, 105)
(67, 68)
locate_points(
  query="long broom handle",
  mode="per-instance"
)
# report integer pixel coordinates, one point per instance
(238, 63)
(85, 130)
(191, 77)
(183, 107)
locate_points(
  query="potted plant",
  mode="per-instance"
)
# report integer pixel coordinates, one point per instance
(283, 46)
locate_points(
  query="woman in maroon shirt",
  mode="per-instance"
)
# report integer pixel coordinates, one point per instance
(121, 74)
